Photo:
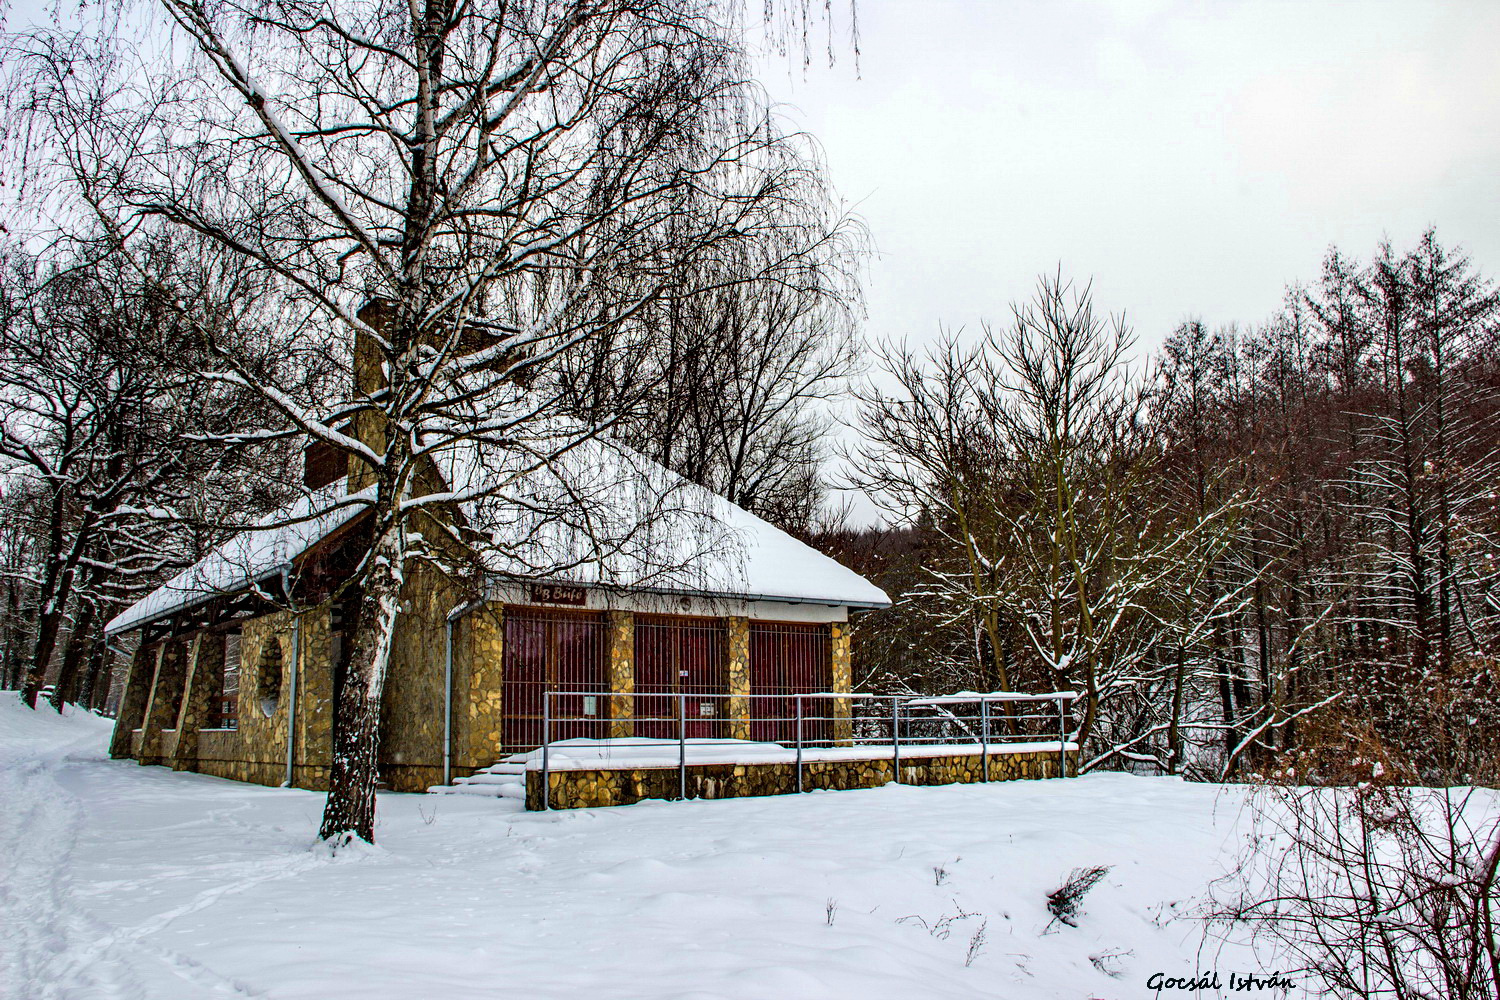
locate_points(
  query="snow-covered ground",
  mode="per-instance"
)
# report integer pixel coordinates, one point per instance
(124, 881)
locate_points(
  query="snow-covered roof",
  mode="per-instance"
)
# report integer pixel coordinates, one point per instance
(246, 560)
(661, 534)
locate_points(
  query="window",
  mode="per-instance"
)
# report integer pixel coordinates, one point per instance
(268, 676)
(680, 656)
(560, 651)
(224, 708)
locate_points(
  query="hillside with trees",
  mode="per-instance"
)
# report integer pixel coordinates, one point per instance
(1266, 547)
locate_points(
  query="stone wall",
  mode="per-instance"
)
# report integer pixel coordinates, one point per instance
(140, 679)
(175, 703)
(737, 665)
(171, 685)
(478, 676)
(583, 789)
(621, 711)
(162, 702)
(842, 682)
(411, 718)
(256, 751)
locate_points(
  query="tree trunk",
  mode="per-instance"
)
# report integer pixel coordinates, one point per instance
(1174, 725)
(94, 691)
(57, 585)
(79, 642)
(13, 633)
(41, 656)
(350, 809)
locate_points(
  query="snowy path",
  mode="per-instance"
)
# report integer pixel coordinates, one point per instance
(124, 881)
(38, 827)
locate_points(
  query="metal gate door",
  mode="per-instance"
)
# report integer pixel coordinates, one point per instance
(788, 658)
(673, 656)
(548, 650)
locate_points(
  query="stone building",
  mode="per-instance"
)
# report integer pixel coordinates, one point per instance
(238, 659)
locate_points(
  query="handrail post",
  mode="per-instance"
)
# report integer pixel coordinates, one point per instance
(984, 734)
(798, 700)
(1062, 738)
(681, 746)
(896, 736)
(546, 744)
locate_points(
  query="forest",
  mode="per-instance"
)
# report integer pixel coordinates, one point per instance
(1264, 548)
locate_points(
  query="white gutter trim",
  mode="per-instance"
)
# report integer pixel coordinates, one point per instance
(716, 595)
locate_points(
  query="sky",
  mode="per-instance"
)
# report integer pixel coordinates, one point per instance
(1190, 158)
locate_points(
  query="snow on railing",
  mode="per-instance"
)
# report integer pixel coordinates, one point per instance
(970, 697)
(685, 721)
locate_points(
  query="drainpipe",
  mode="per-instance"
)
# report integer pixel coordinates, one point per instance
(291, 707)
(453, 617)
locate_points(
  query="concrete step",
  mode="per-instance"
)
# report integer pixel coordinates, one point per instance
(505, 779)
(517, 792)
(481, 778)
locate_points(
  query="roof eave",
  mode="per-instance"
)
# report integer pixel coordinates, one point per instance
(717, 595)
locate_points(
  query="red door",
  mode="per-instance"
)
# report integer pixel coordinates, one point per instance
(789, 658)
(680, 656)
(561, 651)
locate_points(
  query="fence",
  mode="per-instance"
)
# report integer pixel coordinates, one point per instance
(821, 726)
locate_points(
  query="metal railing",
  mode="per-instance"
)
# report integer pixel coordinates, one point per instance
(821, 726)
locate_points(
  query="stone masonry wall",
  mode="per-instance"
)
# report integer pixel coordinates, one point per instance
(256, 751)
(175, 705)
(838, 644)
(622, 786)
(621, 711)
(478, 673)
(737, 669)
(411, 717)
(139, 680)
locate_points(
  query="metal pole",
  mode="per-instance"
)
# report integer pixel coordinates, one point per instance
(984, 731)
(291, 699)
(453, 617)
(448, 700)
(546, 743)
(896, 736)
(1062, 738)
(798, 699)
(681, 746)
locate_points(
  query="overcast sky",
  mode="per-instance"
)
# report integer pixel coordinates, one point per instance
(1191, 157)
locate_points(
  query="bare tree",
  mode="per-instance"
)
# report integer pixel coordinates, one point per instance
(90, 412)
(1025, 453)
(1376, 890)
(726, 382)
(469, 194)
